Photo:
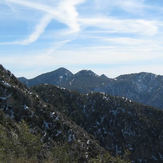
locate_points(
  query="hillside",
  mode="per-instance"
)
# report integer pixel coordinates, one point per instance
(118, 123)
(145, 88)
(33, 131)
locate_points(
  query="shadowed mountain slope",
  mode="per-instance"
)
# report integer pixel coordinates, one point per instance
(118, 123)
(49, 133)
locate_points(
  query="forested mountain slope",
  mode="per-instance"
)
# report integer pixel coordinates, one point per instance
(33, 130)
(118, 123)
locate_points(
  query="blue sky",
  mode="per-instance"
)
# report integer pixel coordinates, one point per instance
(107, 36)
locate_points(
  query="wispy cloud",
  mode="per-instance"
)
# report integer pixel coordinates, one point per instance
(56, 46)
(78, 32)
(64, 12)
(98, 54)
(116, 61)
(130, 6)
(69, 14)
(138, 26)
(39, 29)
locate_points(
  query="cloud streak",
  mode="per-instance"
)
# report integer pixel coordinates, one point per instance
(138, 26)
(78, 32)
(39, 29)
(64, 12)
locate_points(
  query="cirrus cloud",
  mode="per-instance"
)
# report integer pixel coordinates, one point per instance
(81, 32)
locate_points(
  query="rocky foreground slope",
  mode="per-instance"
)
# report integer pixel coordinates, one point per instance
(34, 131)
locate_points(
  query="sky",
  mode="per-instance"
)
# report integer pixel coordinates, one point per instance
(111, 37)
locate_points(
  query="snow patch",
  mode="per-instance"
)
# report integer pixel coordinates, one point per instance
(6, 84)
(26, 107)
(58, 133)
(46, 124)
(88, 141)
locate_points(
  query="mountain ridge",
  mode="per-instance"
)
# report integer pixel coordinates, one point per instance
(92, 125)
(145, 88)
(18, 104)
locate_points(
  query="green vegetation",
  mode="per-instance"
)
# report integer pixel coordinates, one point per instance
(57, 130)
(16, 142)
(107, 158)
(19, 145)
(117, 123)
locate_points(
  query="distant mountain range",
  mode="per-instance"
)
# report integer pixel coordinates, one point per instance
(46, 122)
(145, 88)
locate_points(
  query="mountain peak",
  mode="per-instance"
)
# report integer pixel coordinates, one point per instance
(104, 76)
(3, 70)
(63, 70)
(54, 77)
(86, 73)
(1, 67)
(141, 75)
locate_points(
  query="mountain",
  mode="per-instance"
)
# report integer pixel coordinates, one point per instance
(145, 88)
(86, 81)
(24, 80)
(50, 124)
(83, 81)
(32, 130)
(119, 124)
(59, 77)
